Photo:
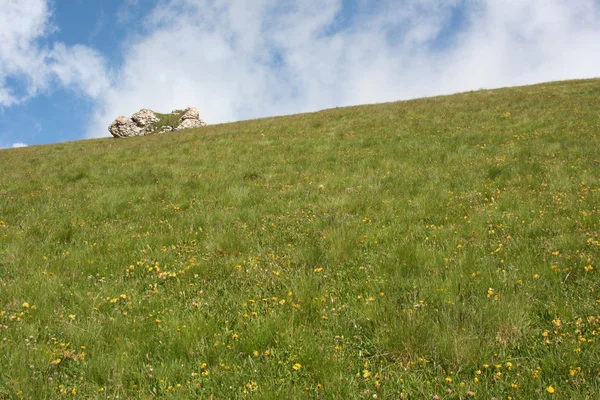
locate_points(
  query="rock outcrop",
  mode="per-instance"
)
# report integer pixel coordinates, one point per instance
(147, 122)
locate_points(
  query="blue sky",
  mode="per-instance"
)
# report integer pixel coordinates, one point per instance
(69, 67)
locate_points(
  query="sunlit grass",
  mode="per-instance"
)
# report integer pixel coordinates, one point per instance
(441, 247)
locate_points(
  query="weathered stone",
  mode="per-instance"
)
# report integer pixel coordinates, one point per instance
(124, 127)
(144, 117)
(190, 123)
(190, 113)
(146, 122)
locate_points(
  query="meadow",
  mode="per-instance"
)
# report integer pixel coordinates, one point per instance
(439, 248)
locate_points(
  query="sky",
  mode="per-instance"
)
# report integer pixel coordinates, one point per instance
(70, 67)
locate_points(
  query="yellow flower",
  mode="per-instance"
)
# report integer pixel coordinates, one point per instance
(448, 380)
(296, 367)
(366, 373)
(557, 322)
(550, 389)
(25, 305)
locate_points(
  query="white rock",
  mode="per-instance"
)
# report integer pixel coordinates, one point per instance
(144, 117)
(190, 123)
(144, 122)
(124, 127)
(190, 113)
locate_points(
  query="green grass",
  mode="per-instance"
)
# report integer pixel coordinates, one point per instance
(444, 246)
(167, 120)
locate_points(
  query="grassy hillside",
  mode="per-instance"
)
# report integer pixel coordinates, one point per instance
(446, 247)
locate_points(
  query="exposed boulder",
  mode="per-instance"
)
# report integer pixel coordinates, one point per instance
(189, 123)
(124, 127)
(148, 122)
(189, 119)
(190, 113)
(144, 117)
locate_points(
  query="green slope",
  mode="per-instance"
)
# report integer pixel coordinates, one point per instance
(445, 246)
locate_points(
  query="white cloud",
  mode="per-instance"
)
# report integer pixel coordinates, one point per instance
(521, 42)
(37, 67)
(245, 59)
(18, 144)
(80, 68)
(22, 22)
(242, 59)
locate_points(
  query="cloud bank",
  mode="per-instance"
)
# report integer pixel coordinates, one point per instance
(246, 59)
(28, 67)
(250, 59)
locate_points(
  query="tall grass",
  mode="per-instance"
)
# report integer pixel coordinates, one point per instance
(443, 247)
